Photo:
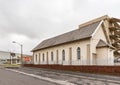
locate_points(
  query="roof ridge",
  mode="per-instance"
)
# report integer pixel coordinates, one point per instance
(93, 21)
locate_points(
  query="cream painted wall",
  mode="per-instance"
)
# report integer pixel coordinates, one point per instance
(104, 56)
(95, 39)
(82, 44)
(111, 57)
(99, 34)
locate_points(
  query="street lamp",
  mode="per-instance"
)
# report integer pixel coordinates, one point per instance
(21, 51)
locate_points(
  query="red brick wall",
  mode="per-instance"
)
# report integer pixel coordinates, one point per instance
(113, 70)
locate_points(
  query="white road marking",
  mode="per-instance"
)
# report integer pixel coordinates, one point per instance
(44, 78)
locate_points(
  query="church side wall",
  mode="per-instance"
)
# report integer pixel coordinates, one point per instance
(57, 54)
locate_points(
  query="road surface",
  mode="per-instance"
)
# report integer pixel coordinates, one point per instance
(76, 78)
(12, 78)
(38, 76)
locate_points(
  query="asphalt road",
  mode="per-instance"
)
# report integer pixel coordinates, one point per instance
(12, 78)
(18, 77)
(76, 78)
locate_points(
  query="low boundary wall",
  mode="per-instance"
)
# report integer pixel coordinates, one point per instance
(111, 70)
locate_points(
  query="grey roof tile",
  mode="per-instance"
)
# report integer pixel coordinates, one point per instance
(78, 34)
(102, 43)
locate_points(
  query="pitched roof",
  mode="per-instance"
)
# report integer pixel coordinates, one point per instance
(78, 34)
(101, 43)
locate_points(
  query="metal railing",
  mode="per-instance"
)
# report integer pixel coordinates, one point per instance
(80, 62)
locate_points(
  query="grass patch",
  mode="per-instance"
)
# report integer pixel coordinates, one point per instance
(10, 65)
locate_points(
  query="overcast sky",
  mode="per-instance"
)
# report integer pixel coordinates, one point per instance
(31, 21)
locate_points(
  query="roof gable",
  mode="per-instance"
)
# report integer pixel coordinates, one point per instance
(101, 43)
(78, 34)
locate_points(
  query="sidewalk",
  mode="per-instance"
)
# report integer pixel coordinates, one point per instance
(1, 66)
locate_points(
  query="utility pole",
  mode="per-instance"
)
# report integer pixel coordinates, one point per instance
(21, 46)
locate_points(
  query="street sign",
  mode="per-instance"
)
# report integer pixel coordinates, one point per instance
(27, 58)
(12, 54)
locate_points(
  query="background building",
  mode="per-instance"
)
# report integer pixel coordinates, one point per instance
(14, 58)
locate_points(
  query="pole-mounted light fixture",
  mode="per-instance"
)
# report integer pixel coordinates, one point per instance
(21, 50)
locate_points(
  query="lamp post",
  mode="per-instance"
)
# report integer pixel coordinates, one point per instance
(21, 51)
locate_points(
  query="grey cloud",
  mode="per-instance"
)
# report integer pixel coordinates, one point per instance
(26, 20)
(41, 19)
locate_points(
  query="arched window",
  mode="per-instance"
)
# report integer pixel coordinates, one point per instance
(78, 53)
(63, 55)
(43, 57)
(39, 58)
(51, 56)
(36, 58)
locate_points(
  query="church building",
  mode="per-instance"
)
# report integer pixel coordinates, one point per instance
(93, 43)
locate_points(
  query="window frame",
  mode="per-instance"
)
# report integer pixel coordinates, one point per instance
(43, 57)
(52, 56)
(36, 57)
(63, 55)
(78, 53)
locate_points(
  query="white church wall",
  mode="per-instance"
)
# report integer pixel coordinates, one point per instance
(82, 44)
(104, 56)
(99, 34)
